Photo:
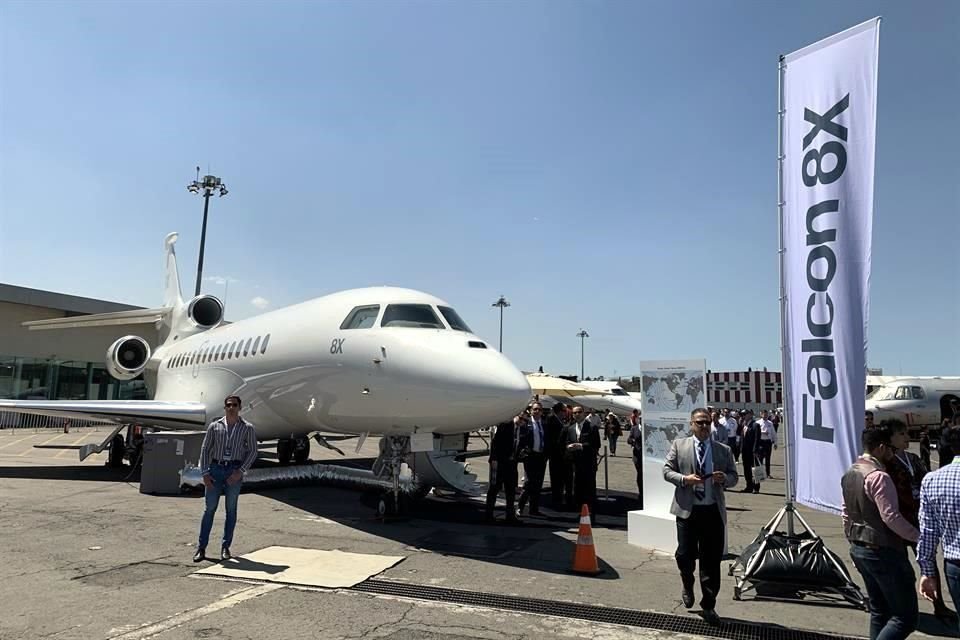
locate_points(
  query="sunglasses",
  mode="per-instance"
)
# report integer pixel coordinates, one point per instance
(231, 405)
(701, 423)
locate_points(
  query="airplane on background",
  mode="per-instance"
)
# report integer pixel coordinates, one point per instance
(919, 402)
(379, 360)
(610, 397)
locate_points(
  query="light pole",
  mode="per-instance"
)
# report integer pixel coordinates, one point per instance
(208, 185)
(582, 334)
(501, 302)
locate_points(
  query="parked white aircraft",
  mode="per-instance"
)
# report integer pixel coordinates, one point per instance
(379, 360)
(613, 398)
(919, 402)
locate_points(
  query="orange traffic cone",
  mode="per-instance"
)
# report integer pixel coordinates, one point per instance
(585, 554)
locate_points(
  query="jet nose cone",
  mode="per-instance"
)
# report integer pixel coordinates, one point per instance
(503, 388)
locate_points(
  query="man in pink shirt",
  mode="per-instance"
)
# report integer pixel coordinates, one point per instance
(878, 536)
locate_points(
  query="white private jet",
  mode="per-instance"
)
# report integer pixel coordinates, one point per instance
(919, 402)
(379, 360)
(612, 397)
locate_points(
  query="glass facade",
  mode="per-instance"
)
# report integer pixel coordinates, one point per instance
(45, 379)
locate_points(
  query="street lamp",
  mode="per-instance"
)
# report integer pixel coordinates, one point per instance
(582, 334)
(208, 185)
(501, 302)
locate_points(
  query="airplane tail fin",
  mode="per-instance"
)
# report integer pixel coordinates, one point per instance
(171, 290)
(175, 317)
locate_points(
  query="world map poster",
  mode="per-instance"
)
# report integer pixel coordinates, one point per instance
(671, 390)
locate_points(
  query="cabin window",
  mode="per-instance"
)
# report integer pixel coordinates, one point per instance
(253, 349)
(361, 317)
(418, 316)
(263, 347)
(236, 354)
(246, 347)
(233, 347)
(917, 393)
(454, 320)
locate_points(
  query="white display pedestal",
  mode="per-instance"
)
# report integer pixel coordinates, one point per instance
(652, 530)
(654, 527)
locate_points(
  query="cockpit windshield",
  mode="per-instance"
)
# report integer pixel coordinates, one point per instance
(617, 391)
(456, 322)
(417, 316)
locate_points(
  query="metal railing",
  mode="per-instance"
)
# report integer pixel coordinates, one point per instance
(13, 420)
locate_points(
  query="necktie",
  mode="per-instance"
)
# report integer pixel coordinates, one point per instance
(539, 443)
(700, 490)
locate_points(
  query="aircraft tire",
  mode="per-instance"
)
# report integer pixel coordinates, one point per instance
(115, 457)
(301, 450)
(284, 451)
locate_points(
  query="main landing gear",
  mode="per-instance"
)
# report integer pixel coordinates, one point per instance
(122, 447)
(297, 449)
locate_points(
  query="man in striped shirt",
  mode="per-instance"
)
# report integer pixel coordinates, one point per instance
(229, 449)
(940, 524)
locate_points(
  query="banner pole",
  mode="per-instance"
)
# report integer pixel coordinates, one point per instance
(784, 368)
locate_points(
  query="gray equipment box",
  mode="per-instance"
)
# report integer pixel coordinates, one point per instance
(165, 453)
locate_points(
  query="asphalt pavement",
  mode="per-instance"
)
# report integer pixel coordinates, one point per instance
(85, 555)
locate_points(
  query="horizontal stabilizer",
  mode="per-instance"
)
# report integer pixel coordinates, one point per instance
(171, 415)
(136, 316)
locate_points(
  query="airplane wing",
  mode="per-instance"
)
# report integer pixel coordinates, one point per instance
(171, 415)
(135, 316)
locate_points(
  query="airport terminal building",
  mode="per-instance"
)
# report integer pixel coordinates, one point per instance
(62, 364)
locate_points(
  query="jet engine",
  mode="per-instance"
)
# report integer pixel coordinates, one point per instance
(127, 357)
(205, 311)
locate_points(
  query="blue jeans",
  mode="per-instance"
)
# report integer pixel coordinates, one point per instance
(220, 473)
(951, 572)
(613, 444)
(891, 586)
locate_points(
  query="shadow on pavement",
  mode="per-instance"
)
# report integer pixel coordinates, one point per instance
(447, 526)
(74, 472)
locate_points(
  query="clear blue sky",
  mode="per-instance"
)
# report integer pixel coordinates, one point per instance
(606, 165)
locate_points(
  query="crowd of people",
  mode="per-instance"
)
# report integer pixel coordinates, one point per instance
(892, 501)
(566, 443)
(894, 506)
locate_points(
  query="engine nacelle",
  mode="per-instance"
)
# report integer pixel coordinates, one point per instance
(205, 311)
(127, 357)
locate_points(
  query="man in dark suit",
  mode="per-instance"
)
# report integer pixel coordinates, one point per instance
(750, 446)
(533, 439)
(701, 469)
(582, 444)
(561, 473)
(503, 466)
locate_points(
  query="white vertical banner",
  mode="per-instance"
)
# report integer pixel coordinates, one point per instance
(828, 141)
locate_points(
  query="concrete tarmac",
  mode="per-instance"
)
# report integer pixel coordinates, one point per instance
(85, 555)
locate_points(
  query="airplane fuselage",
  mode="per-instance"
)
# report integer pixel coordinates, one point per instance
(299, 370)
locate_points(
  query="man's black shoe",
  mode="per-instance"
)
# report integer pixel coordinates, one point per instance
(687, 596)
(746, 490)
(535, 512)
(200, 555)
(711, 618)
(225, 553)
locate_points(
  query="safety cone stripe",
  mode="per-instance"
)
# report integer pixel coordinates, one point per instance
(585, 520)
(585, 540)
